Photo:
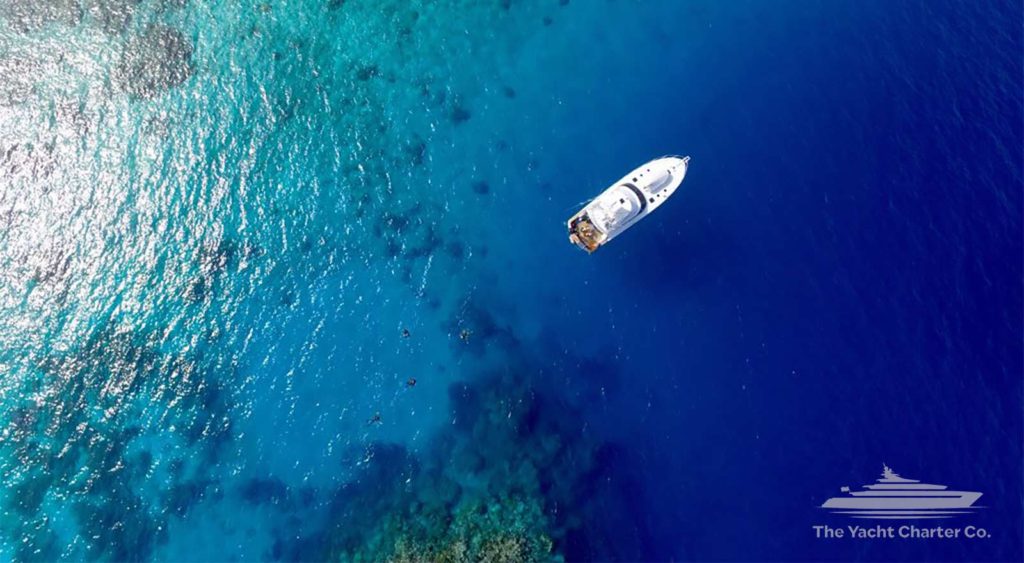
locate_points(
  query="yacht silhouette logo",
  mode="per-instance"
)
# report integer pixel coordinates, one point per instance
(894, 497)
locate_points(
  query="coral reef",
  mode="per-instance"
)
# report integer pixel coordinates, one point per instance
(500, 485)
(500, 530)
(81, 434)
(155, 61)
(129, 434)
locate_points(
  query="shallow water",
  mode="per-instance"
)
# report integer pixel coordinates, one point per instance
(218, 218)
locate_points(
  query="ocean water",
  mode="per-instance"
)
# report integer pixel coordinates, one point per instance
(218, 218)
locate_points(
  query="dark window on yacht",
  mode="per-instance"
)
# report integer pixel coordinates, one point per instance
(622, 201)
(652, 200)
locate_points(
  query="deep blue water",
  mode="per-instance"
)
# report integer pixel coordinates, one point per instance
(217, 219)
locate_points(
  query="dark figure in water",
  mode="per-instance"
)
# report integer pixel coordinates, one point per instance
(464, 335)
(411, 382)
(375, 419)
(406, 333)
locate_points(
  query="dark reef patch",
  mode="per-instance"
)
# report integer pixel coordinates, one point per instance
(455, 250)
(393, 223)
(366, 72)
(288, 298)
(428, 242)
(154, 62)
(198, 290)
(407, 233)
(270, 490)
(416, 150)
(181, 496)
(481, 187)
(96, 396)
(459, 114)
(392, 248)
(406, 274)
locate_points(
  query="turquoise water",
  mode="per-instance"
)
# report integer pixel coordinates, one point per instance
(219, 218)
(208, 281)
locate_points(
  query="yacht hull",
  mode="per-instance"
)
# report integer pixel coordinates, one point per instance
(635, 196)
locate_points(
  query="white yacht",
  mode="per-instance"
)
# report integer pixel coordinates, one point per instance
(893, 496)
(627, 201)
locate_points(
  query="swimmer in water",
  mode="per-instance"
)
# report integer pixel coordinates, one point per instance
(406, 333)
(376, 419)
(464, 335)
(411, 382)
